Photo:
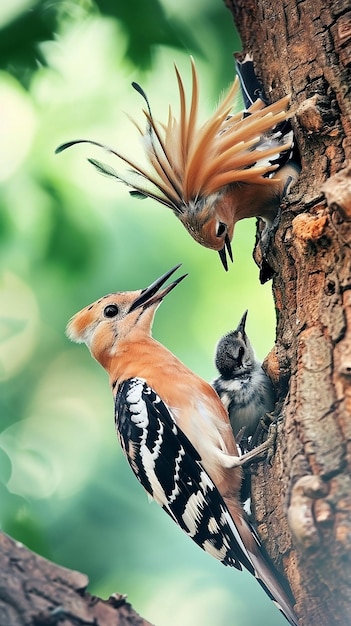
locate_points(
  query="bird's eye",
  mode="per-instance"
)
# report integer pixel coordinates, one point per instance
(111, 310)
(241, 355)
(221, 229)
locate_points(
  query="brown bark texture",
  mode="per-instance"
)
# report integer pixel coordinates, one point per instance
(302, 500)
(36, 592)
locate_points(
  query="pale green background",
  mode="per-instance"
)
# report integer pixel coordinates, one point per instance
(68, 236)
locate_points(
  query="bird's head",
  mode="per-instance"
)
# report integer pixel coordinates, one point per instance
(234, 353)
(103, 324)
(210, 221)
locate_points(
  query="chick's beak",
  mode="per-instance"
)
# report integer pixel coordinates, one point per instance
(152, 294)
(241, 325)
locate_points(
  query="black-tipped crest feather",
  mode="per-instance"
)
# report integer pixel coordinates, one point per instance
(105, 169)
(200, 170)
(190, 160)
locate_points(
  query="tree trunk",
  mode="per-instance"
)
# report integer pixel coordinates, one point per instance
(36, 592)
(302, 500)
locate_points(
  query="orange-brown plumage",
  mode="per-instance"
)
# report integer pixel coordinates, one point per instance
(192, 165)
(174, 430)
(125, 348)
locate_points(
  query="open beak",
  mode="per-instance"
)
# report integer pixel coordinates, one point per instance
(222, 253)
(152, 294)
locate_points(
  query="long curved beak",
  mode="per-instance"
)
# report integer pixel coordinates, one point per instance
(222, 253)
(152, 294)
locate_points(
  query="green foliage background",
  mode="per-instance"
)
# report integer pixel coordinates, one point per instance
(68, 236)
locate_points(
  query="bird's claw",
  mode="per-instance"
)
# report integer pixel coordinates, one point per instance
(263, 451)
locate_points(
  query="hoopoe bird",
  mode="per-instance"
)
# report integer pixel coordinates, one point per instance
(243, 387)
(174, 431)
(215, 173)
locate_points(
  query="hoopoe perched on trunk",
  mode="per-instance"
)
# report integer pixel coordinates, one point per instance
(215, 173)
(174, 431)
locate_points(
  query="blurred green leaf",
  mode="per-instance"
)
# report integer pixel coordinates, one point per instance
(69, 245)
(5, 466)
(145, 24)
(10, 327)
(15, 516)
(20, 52)
(148, 26)
(17, 521)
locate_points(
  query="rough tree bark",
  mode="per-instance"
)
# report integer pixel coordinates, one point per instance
(303, 500)
(36, 592)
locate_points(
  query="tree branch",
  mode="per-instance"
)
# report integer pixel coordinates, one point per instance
(36, 592)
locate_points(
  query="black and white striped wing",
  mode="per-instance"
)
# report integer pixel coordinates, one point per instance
(170, 470)
(252, 90)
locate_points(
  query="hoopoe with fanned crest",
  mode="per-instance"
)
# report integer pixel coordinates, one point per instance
(215, 173)
(174, 431)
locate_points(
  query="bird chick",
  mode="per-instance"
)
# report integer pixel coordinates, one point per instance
(243, 387)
